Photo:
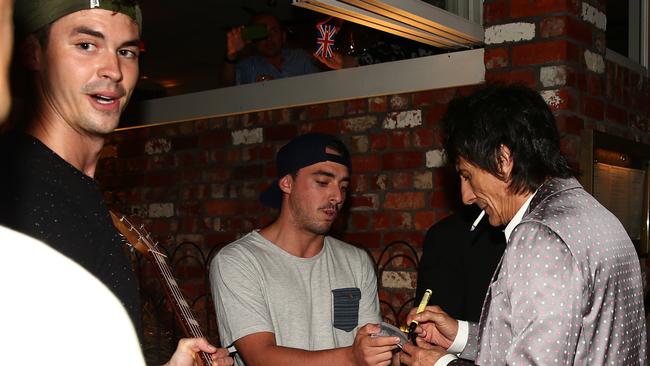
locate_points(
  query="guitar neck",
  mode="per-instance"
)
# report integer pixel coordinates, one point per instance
(177, 300)
(140, 240)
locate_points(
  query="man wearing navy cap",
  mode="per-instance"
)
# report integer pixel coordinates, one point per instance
(288, 293)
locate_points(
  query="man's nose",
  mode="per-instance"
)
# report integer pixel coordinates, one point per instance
(466, 192)
(336, 196)
(111, 68)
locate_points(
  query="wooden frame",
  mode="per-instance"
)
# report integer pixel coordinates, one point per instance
(597, 147)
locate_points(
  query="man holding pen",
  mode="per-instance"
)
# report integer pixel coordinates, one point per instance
(568, 289)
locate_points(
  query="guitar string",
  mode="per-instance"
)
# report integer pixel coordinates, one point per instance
(171, 281)
(195, 330)
(191, 321)
(178, 296)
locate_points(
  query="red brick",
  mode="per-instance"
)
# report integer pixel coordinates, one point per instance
(424, 220)
(356, 106)
(359, 220)
(188, 224)
(248, 171)
(615, 114)
(157, 226)
(423, 137)
(433, 115)
(366, 163)
(566, 26)
(422, 98)
(399, 101)
(131, 148)
(594, 84)
(317, 111)
(540, 52)
(414, 238)
(378, 141)
(215, 139)
(380, 220)
(402, 160)
(569, 147)
(190, 209)
(280, 132)
(401, 180)
(221, 207)
(496, 58)
(569, 124)
(495, 12)
(400, 139)
(185, 142)
(592, 108)
(401, 220)
(444, 96)
(378, 104)
(328, 126)
(359, 183)
(404, 200)
(364, 240)
(368, 201)
(466, 90)
(524, 76)
(161, 179)
(266, 152)
(567, 101)
(439, 199)
(529, 8)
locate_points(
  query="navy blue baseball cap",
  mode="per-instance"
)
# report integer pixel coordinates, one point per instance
(303, 151)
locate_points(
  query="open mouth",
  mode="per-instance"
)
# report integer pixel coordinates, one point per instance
(331, 212)
(103, 99)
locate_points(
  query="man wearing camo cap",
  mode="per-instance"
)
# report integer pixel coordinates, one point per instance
(82, 59)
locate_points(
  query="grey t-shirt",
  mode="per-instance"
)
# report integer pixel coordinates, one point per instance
(308, 303)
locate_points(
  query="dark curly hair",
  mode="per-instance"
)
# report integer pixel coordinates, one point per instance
(476, 126)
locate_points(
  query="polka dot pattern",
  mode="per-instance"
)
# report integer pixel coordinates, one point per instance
(568, 291)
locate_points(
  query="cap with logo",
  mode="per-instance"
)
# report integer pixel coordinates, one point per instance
(303, 151)
(32, 15)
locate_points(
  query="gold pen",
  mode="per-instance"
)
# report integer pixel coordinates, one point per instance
(421, 307)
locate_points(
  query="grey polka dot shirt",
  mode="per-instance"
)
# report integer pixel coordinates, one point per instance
(568, 290)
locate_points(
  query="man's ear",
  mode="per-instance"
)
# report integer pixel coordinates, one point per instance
(30, 53)
(286, 183)
(505, 163)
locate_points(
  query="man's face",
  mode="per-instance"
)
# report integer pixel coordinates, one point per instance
(6, 42)
(88, 69)
(272, 45)
(490, 193)
(317, 194)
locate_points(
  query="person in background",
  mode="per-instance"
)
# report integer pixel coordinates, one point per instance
(568, 290)
(67, 294)
(272, 59)
(466, 259)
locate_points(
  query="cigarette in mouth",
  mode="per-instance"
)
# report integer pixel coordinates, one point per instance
(478, 219)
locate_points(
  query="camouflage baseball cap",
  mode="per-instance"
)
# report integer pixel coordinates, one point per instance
(32, 15)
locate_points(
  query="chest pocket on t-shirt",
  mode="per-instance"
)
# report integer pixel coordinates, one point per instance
(345, 305)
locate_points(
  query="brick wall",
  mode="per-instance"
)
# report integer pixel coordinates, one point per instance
(558, 47)
(196, 183)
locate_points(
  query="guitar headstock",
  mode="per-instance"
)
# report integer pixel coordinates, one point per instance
(136, 235)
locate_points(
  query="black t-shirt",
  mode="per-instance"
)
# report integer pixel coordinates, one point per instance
(45, 197)
(457, 264)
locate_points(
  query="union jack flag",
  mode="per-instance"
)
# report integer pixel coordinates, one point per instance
(325, 40)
